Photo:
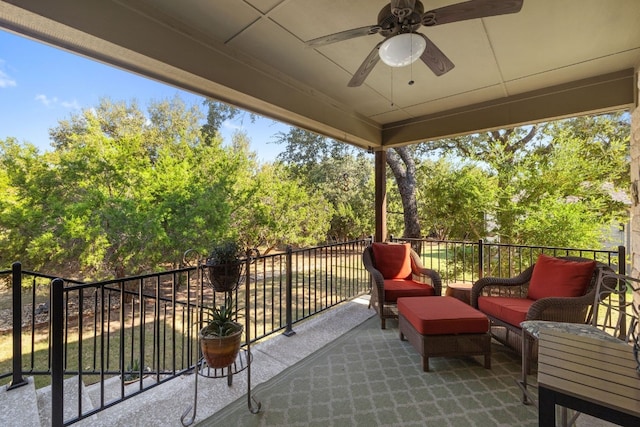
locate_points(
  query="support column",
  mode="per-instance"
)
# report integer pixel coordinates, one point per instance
(634, 150)
(381, 195)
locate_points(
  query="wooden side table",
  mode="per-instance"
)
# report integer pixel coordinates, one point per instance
(589, 375)
(461, 291)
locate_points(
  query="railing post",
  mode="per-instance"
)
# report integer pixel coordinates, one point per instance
(57, 353)
(622, 260)
(480, 259)
(17, 379)
(622, 303)
(289, 303)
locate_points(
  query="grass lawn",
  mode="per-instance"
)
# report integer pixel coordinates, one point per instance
(87, 354)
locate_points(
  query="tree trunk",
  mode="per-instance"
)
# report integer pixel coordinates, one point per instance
(400, 160)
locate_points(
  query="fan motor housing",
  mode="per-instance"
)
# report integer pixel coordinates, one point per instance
(404, 21)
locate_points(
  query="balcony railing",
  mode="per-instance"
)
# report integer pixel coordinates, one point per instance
(141, 329)
(466, 262)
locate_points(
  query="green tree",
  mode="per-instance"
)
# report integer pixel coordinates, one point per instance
(281, 211)
(453, 200)
(340, 173)
(544, 167)
(127, 191)
(557, 222)
(217, 113)
(124, 191)
(588, 171)
(31, 206)
(503, 152)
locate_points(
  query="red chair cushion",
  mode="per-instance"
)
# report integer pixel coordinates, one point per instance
(392, 260)
(398, 288)
(510, 310)
(554, 277)
(442, 316)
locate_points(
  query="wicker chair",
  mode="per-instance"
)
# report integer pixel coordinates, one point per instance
(421, 281)
(558, 309)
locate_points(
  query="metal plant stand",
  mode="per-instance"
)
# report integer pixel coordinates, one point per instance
(242, 362)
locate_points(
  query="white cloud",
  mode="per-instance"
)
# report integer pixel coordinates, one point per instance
(46, 100)
(6, 80)
(71, 104)
(50, 102)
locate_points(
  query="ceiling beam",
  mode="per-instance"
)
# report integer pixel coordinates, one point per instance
(609, 92)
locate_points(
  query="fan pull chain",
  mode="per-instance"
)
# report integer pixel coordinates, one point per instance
(392, 104)
(411, 77)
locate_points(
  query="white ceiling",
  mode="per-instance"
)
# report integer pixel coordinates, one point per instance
(554, 58)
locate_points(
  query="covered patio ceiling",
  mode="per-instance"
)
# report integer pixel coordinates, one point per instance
(552, 59)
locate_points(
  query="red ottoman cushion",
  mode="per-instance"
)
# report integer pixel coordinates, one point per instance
(442, 316)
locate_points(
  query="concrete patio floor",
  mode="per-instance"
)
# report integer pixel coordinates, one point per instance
(164, 405)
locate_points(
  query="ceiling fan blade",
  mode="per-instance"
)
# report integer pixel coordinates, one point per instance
(435, 59)
(366, 67)
(470, 10)
(344, 35)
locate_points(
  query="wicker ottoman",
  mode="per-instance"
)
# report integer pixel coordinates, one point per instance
(444, 326)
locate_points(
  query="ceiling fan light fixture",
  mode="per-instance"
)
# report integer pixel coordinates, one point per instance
(402, 50)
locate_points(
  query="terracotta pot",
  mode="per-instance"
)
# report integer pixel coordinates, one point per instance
(220, 352)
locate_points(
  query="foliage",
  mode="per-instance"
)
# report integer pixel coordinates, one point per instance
(143, 191)
(336, 173)
(454, 199)
(280, 211)
(126, 191)
(347, 184)
(304, 150)
(395, 212)
(221, 320)
(559, 223)
(217, 113)
(132, 372)
(31, 205)
(583, 162)
(225, 252)
(270, 208)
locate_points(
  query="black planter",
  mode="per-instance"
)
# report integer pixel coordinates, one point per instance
(225, 277)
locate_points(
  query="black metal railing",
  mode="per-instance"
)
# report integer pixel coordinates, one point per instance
(125, 336)
(141, 329)
(466, 262)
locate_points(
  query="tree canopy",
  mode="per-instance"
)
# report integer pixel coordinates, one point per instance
(545, 174)
(127, 190)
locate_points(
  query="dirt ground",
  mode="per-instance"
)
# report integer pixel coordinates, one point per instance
(42, 305)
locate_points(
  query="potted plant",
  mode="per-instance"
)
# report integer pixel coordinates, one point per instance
(224, 265)
(132, 373)
(221, 336)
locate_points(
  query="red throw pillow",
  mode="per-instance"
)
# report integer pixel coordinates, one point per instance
(554, 277)
(393, 260)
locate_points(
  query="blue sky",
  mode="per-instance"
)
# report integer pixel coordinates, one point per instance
(40, 85)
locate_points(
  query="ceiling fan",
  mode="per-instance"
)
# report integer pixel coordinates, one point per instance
(403, 18)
